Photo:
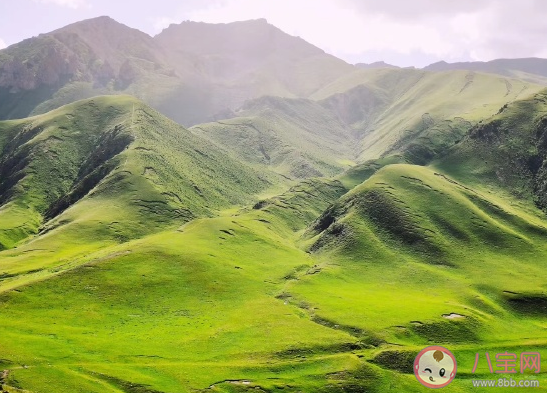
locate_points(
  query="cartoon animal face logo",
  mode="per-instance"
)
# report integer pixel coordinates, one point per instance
(435, 367)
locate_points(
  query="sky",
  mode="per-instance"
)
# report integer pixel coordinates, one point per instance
(400, 32)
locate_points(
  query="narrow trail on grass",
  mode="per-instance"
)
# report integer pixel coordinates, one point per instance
(286, 296)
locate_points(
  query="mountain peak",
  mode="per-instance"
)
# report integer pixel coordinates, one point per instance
(256, 39)
(101, 25)
(376, 64)
(99, 21)
(190, 27)
(437, 64)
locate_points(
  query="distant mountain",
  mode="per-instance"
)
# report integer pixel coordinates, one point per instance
(530, 69)
(254, 54)
(376, 64)
(190, 72)
(96, 56)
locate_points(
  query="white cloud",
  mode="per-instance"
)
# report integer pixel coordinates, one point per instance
(2, 44)
(164, 22)
(65, 3)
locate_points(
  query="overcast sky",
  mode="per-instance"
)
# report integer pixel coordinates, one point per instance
(401, 32)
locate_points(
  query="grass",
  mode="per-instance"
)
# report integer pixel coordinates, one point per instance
(396, 115)
(507, 150)
(451, 252)
(215, 306)
(104, 171)
(142, 257)
(235, 302)
(296, 138)
(417, 113)
(447, 242)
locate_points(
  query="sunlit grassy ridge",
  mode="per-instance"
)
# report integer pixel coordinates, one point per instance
(105, 171)
(437, 239)
(419, 113)
(507, 150)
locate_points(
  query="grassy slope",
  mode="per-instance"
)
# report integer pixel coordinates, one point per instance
(528, 69)
(440, 97)
(409, 246)
(104, 171)
(414, 115)
(294, 137)
(238, 298)
(179, 310)
(270, 298)
(362, 116)
(418, 113)
(509, 149)
(177, 303)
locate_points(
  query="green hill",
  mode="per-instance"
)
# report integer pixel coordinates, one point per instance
(103, 171)
(251, 302)
(417, 113)
(412, 257)
(508, 150)
(365, 115)
(297, 138)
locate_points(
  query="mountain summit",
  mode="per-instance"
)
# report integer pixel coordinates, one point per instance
(189, 72)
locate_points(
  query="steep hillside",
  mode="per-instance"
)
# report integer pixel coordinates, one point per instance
(189, 72)
(508, 150)
(416, 113)
(297, 138)
(104, 171)
(78, 61)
